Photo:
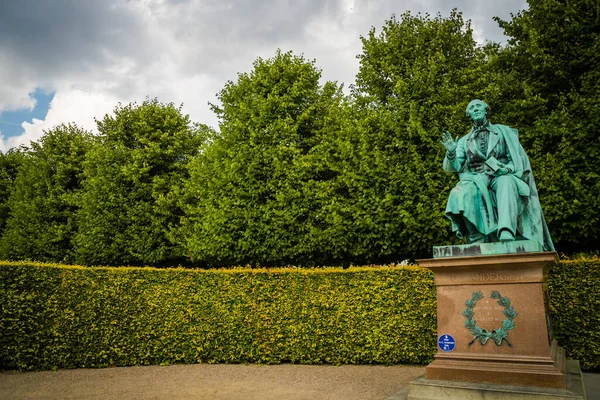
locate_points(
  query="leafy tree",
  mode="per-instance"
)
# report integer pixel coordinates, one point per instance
(9, 168)
(41, 222)
(256, 192)
(414, 82)
(132, 181)
(550, 72)
(554, 46)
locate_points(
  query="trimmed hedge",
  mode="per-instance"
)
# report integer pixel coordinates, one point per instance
(54, 316)
(69, 317)
(574, 287)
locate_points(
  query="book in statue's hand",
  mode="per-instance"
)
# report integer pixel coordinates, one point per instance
(494, 164)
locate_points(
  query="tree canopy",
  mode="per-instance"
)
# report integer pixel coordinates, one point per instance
(10, 164)
(255, 193)
(43, 202)
(128, 205)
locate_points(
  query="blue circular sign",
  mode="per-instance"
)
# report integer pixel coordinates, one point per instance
(446, 343)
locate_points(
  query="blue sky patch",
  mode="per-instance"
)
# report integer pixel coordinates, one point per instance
(10, 121)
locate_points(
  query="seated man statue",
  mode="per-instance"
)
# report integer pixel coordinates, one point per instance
(496, 198)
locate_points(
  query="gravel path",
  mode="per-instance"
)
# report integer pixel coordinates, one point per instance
(223, 382)
(217, 381)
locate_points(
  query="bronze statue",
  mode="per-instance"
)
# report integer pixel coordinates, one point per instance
(496, 198)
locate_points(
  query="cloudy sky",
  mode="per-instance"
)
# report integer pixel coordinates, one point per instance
(74, 60)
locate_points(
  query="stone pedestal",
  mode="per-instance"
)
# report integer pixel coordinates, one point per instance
(428, 389)
(527, 356)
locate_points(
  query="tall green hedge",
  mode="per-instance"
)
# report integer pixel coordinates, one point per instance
(67, 317)
(575, 305)
(54, 316)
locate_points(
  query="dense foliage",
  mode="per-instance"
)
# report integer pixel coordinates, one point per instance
(43, 202)
(68, 317)
(574, 287)
(56, 316)
(255, 194)
(300, 173)
(10, 164)
(128, 204)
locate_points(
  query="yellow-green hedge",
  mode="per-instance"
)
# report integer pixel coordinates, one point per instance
(66, 317)
(54, 316)
(575, 306)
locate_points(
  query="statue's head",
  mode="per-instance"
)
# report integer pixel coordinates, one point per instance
(478, 111)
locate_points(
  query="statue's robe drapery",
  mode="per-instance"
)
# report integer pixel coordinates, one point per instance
(489, 201)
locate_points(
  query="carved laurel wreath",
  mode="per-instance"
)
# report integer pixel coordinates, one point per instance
(497, 335)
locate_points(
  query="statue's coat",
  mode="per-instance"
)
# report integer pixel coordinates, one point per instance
(482, 212)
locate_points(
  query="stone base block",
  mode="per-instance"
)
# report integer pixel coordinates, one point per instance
(428, 389)
(548, 372)
(468, 292)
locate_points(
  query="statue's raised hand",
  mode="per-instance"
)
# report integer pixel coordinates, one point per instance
(449, 143)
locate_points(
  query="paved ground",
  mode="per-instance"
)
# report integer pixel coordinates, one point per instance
(222, 382)
(592, 385)
(204, 381)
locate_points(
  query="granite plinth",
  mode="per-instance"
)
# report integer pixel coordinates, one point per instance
(529, 356)
(427, 389)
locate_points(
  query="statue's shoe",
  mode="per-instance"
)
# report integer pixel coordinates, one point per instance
(506, 236)
(476, 238)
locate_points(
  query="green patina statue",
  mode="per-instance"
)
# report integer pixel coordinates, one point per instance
(496, 198)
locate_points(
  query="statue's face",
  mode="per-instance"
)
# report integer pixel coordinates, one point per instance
(476, 111)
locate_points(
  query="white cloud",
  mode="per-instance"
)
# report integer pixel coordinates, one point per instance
(68, 105)
(96, 53)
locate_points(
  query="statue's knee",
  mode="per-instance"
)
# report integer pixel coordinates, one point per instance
(505, 181)
(465, 185)
(465, 189)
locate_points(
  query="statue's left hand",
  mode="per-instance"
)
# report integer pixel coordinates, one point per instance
(503, 170)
